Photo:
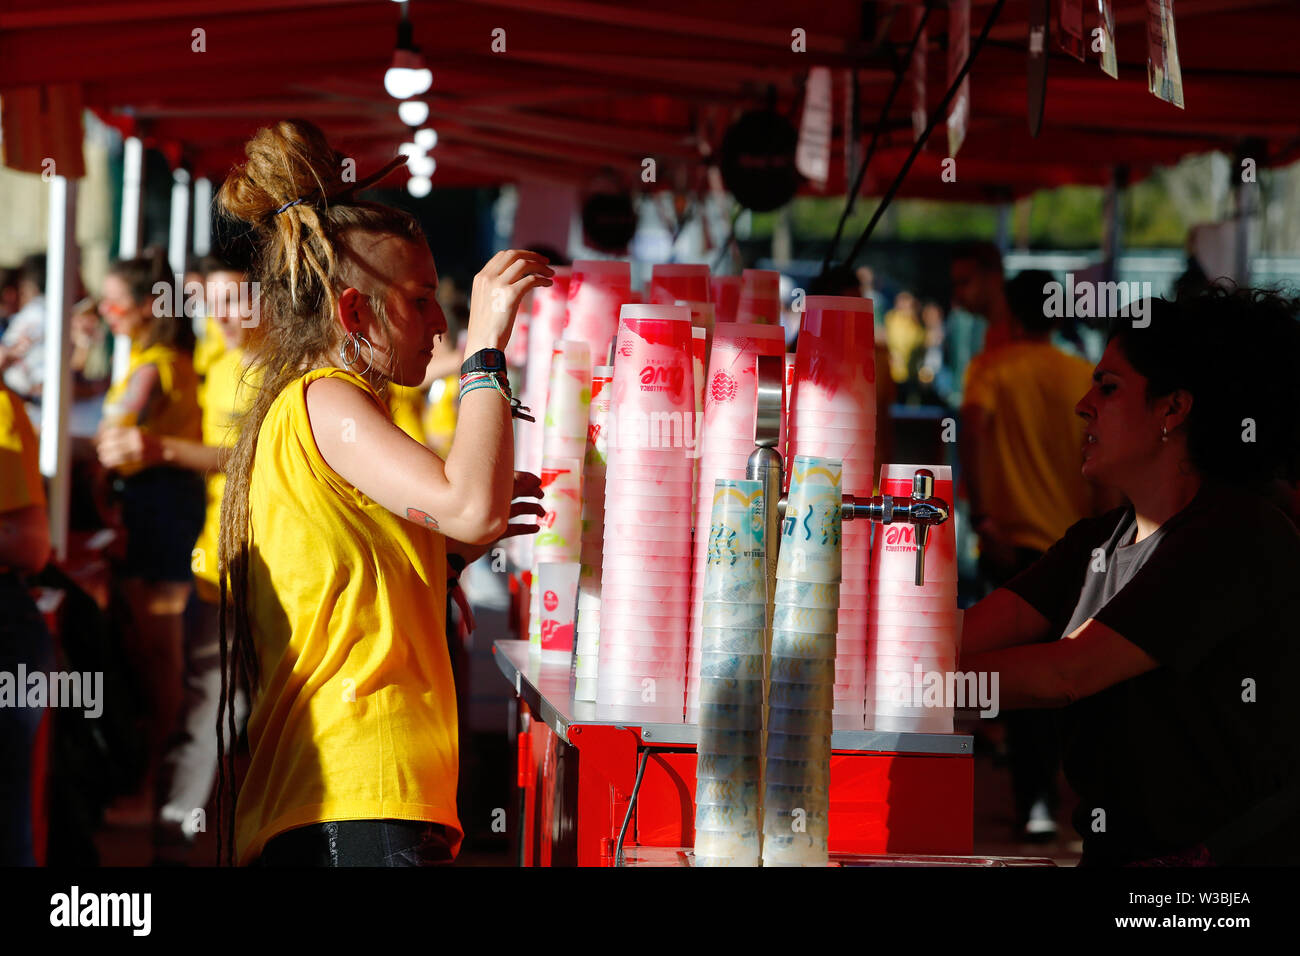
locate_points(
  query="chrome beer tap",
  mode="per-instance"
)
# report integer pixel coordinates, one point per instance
(922, 509)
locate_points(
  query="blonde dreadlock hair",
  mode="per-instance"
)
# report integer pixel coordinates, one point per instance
(291, 192)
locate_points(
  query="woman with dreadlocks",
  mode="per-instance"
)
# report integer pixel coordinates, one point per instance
(337, 528)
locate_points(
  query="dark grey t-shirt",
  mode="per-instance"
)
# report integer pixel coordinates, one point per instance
(1172, 756)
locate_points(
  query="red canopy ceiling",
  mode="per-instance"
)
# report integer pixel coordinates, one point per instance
(586, 86)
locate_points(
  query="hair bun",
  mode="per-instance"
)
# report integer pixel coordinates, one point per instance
(288, 160)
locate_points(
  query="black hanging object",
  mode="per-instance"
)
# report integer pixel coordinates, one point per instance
(609, 222)
(757, 160)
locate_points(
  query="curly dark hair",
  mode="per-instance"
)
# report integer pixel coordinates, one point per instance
(1237, 351)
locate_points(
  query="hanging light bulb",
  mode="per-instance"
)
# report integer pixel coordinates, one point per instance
(419, 186)
(426, 138)
(421, 165)
(408, 76)
(413, 112)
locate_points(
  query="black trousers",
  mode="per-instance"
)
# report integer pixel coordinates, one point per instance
(360, 843)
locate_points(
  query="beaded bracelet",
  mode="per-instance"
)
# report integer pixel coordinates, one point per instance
(471, 381)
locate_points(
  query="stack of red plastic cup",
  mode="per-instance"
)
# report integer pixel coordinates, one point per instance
(597, 290)
(913, 631)
(672, 281)
(833, 415)
(724, 293)
(726, 442)
(645, 582)
(760, 297)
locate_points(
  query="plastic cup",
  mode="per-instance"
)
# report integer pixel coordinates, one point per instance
(809, 594)
(720, 640)
(796, 670)
(731, 716)
(721, 690)
(808, 620)
(596, 291)
(798, 644)
(747, 616)
(737, 742)
(672, 281)
(810, 539)
(948, 618)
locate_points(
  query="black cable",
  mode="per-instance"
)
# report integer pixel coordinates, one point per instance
(631, 805)
(875, 137)
(925, 135)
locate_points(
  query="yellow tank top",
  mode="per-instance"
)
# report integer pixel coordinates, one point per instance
(224, 398)
(209, 348)
(177, 414)
(354, 716)
(406, 402)
(20, 465)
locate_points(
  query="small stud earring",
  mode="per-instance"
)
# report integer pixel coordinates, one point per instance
(1164, 433)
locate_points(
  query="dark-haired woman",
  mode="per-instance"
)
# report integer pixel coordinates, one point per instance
(1169, 630)
(337, 527)
(161, 503)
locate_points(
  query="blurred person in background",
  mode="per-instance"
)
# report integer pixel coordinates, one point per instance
(903, 335)
(932, 373)
(24, 640)
(1019, 450)
(92, 354)
(8, 296)
(189, 763)
(22, 348)
(160, 498)
(221, 294)
(979, 287)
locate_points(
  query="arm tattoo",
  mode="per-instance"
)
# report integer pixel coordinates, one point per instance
(422, 517)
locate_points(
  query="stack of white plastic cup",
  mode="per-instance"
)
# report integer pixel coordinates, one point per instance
(760, 297)
(728, 775)
(645, 571)
(913, 631)
(597, 288)
(568, 402)
(833, 415)
(796, 802)
(545, 328)
(559, 538)
(587, 630)
(726, 442)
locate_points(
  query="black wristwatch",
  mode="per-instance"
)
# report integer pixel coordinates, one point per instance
(485, 360)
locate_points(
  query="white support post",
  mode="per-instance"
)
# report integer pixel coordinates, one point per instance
(178, 240)
(202, 216)
(129, 243)
(62, 264)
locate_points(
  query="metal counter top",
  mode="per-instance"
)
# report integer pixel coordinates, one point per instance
(544, 686)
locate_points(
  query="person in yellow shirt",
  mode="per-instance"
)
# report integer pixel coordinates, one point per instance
(189, 764)
(160, 500)
(24, 641)
(1021, 447)
(337, 528)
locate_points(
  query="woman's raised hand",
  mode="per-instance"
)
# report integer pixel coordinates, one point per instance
(498, 289)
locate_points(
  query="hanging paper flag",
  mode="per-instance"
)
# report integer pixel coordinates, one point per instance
(1069, 27)
(1164, 75)
(1104, 38)
(1040, 12)
(958, 52)
(813, 153)
(916, 75)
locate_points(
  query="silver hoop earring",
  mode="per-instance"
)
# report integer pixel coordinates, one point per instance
(352, 343)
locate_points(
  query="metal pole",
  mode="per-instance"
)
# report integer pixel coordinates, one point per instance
(129, 244)
(1112, 228)
(202, 216)
(178, 245)
(56, 397)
